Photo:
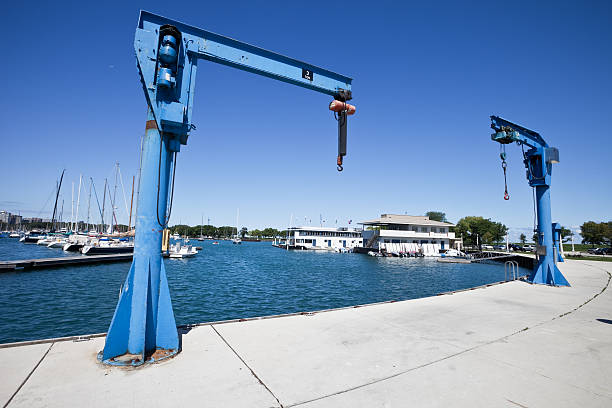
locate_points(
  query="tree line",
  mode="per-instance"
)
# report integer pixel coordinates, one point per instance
(224, 231)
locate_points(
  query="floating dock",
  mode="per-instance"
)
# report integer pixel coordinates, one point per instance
(505, 345)
(40, 263)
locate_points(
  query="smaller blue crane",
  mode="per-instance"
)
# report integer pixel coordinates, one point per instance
(538, 162)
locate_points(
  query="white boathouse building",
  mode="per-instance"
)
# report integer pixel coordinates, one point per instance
(409, 233)
(324, 238)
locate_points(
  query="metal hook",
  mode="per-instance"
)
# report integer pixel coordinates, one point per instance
(340, 168)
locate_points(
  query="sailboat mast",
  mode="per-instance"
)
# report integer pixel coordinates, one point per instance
(104, 206)
(89, 203)
(131, 204)
(59, 186)
(113, 218)
(72, 210)
(62, 214)
(78, 203)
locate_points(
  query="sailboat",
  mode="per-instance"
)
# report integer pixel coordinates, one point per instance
(201, 238)
(236, 239)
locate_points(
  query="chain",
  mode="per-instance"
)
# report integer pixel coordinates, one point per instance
(502, 156)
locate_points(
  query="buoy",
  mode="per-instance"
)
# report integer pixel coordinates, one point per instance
(338, 106)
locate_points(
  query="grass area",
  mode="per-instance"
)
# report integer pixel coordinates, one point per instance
(579, 247)
(591, 258)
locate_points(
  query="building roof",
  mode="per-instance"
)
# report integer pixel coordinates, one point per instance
(325, 229)
(386, 219)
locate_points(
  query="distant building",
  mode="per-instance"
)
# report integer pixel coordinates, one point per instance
(4, 217)
(324, 238)
(15, 219)
(398, 229)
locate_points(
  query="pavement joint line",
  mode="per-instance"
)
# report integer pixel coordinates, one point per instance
(247, 366)
(462, 351)
(28, 376)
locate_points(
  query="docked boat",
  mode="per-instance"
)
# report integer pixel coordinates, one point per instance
(106, 246)
(57, 243)
(14, 235)
(45, 240)
(236, 239)
(76, 242)
(32, 237)
(182, 251)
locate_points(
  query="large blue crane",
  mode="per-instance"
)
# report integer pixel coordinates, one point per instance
(143, 326)
(538, 162)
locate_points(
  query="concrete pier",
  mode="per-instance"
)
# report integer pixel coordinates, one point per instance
(506, 345)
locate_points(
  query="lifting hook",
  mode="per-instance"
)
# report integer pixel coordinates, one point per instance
(502, 156)
(341, 111)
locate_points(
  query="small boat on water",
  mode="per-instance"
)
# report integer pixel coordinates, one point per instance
(105, 246)
(182, 251)
(14, 235)
(32, 237)
(57, 243)
(215, 243)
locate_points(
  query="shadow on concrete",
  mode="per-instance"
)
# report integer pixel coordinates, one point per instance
(604, 321)
(182, 330)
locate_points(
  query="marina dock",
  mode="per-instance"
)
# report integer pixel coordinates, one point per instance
(7, 266)
(510, 344)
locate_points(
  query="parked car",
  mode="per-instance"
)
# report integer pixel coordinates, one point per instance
(600, 251)
(516, 247)
(528, 248)
(488, 247)
(500, 247)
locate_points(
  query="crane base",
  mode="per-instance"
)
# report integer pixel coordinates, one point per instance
(547, 273)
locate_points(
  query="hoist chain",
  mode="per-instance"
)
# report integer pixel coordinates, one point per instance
(502, 156)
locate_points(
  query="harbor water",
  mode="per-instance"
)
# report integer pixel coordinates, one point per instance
(224, 281)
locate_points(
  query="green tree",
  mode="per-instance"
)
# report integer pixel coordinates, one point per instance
(523, 238)
(486, 230)
(608, 232)
(593, 233)
(566, 234)
(436, 216)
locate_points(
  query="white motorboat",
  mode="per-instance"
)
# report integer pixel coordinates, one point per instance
(14, 235)
(106, 246)
(182, 251)
(453, 253)
(45, 241)
(57, 243)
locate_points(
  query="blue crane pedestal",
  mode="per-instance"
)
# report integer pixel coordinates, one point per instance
(143, 328)
(546, 271)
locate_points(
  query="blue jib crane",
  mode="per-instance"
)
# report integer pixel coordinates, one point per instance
(538, 162)
(143, 328)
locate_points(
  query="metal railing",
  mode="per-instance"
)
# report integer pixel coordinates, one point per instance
(511, 270)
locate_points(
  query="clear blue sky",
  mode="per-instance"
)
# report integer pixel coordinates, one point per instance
(426, 79)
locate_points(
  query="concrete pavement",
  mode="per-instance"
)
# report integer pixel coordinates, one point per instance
(513, 344)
